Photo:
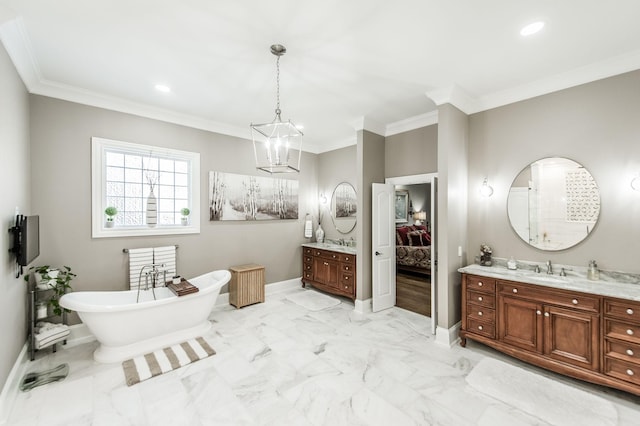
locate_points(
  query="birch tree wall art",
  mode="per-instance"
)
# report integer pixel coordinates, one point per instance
(243, 197)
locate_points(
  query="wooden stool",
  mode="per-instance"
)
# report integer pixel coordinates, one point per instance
(247, 285)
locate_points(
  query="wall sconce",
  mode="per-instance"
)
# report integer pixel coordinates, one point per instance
(486, 190)
(635, 183)
(418, 217)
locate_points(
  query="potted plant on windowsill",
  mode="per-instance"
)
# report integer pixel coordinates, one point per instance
(110, 212)
(185, 216)
(58, 280)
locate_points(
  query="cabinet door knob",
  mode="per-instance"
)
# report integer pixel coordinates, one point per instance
(480, 327)
(574, 301)
(630, 311)
(326, 264)
(480, 313)
(346, 258)
(480, 284)
(546, 314)
(629, 352)
(515, 290)
(346, 286)
(538, 312)
(630, 372)
(630, 332)
(346, 278)
(346, 268)
(480, 298)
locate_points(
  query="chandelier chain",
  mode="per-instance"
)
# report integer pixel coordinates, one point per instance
(278, 86)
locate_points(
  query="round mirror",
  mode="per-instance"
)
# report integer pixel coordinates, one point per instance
(343, 208)
(553, 204)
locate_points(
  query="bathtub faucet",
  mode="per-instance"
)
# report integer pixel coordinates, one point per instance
(155, 270)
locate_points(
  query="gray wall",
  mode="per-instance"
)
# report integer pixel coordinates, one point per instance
(61, 134)
(335, 167)
(453, 154)
(16, 192)
(595, 124)
(412, 153)
(370, 160)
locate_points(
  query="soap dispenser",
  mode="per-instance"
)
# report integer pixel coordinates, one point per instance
(512, 264)
(593, 273)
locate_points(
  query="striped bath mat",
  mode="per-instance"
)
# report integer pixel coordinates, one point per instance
(153, 364)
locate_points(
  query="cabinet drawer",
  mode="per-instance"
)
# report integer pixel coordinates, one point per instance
(481, 327)
(327, 254)
(484, 299)
(307, 267)
(307, 259)
(623, 350)
(308, 275)
(347, 267)
(347, 287)
(348, 258)
(622, 330)
(483, 284)
(622, 370)
(573, 300)
(307, 251)
(622, 309)
(346, 278)
(480, 312)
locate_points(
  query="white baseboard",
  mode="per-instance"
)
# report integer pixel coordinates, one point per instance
(223, 298)
(11, 386)
(448, 336)
(363, 306)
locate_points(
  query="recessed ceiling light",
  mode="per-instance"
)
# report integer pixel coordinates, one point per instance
(531, 28)
(163, 88)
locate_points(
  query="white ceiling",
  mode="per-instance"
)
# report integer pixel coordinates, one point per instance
(348, 63)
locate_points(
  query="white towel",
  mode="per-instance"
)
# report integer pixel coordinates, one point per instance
(308, 229)
(137, 259)
(51, 335)
(166, 256)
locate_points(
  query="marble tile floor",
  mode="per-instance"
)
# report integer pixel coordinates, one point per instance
(280, 364)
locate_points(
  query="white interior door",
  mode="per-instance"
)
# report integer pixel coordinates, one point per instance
(383, 247)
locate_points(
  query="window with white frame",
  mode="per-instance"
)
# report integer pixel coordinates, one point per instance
(148, 186)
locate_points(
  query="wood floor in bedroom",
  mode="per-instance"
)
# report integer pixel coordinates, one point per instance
(413, 293)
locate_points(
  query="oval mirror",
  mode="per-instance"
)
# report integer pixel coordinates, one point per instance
(553, 204)
(343, 207)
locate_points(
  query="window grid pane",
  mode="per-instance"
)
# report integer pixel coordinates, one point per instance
(129, 179)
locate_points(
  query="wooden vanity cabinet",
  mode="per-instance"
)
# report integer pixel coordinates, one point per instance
(330, 271)
(560, 325)
(585, 336)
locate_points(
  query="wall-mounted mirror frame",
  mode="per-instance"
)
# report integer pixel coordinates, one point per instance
(553, 204)
(344, 207)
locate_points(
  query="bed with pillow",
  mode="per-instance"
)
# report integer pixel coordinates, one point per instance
(413, 249)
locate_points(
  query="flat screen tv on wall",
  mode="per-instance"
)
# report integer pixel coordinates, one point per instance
(26, 240)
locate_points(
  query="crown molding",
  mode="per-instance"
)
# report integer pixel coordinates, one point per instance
(455, 96)
(15, 39)
(608, 68)
(412, 123)
(366, 123)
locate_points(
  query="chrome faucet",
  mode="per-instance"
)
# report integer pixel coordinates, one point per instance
(154, 273)
(549, 268)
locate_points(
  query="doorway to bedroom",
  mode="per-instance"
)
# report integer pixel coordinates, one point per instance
(413, 247)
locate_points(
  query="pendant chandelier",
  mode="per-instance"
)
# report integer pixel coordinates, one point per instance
(277, 145)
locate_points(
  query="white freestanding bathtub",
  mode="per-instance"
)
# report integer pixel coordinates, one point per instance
(125, 328)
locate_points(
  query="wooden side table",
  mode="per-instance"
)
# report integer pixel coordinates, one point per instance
(247, 285)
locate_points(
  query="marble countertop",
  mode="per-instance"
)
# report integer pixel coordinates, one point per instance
(623, 289)
(332, 247)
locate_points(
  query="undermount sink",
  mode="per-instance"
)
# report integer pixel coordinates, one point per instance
(547, 278)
